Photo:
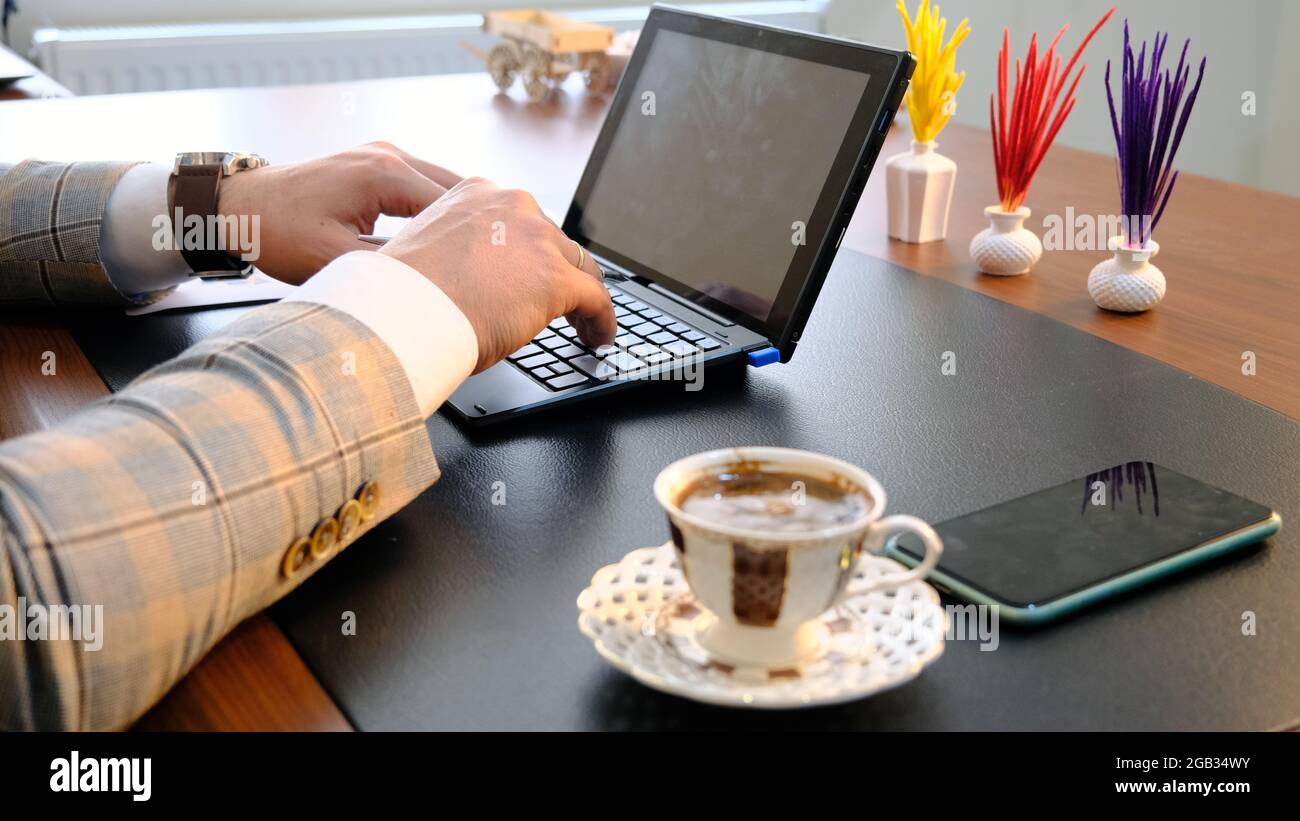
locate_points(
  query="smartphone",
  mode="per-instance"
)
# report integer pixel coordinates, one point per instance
(1055, 551)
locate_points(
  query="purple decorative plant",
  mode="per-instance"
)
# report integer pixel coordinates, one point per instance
(1148, 131)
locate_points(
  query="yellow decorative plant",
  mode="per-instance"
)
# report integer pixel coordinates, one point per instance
(931, 99)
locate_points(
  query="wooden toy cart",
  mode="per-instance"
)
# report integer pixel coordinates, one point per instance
(544, 48)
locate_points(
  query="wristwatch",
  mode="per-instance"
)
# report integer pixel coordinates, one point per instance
(192, 190)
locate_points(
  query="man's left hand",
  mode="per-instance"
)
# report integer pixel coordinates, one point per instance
(312, 212)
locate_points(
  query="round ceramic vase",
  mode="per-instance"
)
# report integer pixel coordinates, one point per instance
(1006, 248)
(1127, 282)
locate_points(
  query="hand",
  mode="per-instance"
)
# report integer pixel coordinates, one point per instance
(311, 212)
(507, 267)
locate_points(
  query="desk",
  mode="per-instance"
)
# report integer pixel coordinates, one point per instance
(1226, 296)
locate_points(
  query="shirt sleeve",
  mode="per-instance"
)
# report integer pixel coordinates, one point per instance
(430, 336)
(126, 238)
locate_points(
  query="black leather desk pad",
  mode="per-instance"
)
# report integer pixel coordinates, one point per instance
(465, 610)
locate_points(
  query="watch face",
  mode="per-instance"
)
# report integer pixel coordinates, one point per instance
(231, 162)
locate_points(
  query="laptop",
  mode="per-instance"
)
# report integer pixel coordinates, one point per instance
(714, 200)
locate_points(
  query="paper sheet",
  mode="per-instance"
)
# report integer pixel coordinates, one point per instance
(201, 292)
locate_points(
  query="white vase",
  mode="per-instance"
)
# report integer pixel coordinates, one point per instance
(1127, 282)
(918, 190)
(1006, 248)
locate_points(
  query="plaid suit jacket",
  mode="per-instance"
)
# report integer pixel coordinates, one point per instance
(198, 495)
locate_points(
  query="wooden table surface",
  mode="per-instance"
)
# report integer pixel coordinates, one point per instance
(1229, 253)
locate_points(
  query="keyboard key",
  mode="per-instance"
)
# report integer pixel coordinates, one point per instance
(622, 299)
(525, 351)
(709, 344)
(568, 351)
(643, 350)
(664, 320)
(692, 336)
(592, 366)
(680, 348)
(559, 367)
(645, 329)
(567, 380)
(552, 342)
(620, 312)
(606, 350)
(546, 333)
(657, 357)
(650, 313)
(535, 361)
(568, 332)
(612, 367)
(624, 363)
(558, 323)
(679, 328)
(662, 338)
(542, 372)
(635, 305)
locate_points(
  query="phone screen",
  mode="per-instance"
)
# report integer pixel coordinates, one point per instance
(1067, 538)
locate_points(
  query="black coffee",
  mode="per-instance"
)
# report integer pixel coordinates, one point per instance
(773, 502)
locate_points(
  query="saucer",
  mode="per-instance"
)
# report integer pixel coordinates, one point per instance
(642, 618)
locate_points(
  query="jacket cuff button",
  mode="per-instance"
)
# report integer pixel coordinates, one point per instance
(369, 498)
(295, 557)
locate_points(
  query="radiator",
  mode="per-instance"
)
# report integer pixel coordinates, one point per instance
(113, 60)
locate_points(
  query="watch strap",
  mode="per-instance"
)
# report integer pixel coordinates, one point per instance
(194, 191)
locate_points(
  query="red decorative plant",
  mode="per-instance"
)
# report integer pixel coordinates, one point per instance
(1022, 135)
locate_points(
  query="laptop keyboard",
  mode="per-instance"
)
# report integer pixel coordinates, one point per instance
(647, 338)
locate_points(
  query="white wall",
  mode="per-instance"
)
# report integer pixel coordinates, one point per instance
(1247, 44)
(34, 14)
(1250, 46)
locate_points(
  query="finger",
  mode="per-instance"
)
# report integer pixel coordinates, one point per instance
(405, 192)
(600, 328)
(590, 311)
(437, 173)
(578, 257)
(470, 183)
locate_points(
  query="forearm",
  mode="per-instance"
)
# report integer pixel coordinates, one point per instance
(174, 503)
(80, 234)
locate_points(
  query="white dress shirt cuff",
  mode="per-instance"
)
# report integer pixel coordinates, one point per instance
(126, 237)
(429, 335)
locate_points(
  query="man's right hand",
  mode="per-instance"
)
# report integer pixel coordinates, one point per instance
(507, 267)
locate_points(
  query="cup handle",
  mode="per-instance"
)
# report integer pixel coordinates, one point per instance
(933, 549)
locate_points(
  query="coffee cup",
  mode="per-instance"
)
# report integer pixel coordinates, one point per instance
(765, 566)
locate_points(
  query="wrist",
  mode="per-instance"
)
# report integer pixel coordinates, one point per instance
(232, 211)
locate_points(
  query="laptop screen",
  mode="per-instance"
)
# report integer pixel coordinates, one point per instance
(714, 165)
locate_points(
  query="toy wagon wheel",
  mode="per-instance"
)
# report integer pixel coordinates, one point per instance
(536, 69)
(598, 73)
(502, 65)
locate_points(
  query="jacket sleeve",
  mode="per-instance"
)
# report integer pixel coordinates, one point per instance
(200, 494)
(50, 219)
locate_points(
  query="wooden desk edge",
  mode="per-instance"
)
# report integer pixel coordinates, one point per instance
(253, 679)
